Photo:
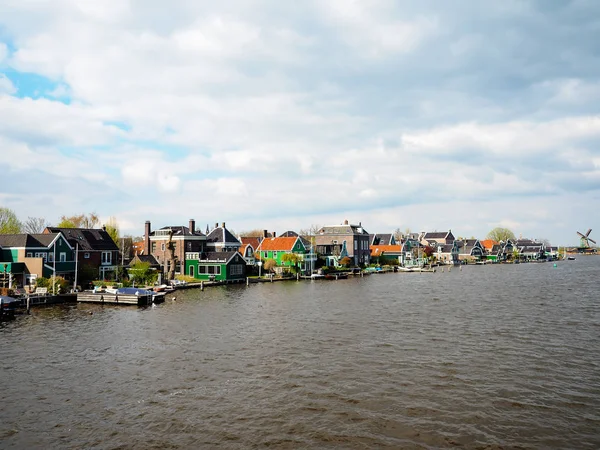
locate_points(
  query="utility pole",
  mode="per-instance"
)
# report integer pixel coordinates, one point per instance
(54, 270)
(76, 258)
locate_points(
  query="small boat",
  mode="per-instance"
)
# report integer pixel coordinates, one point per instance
(7, 307)
(570, 258)
(317, 276)
(157, 297)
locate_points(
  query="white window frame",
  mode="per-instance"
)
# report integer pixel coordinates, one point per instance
(86, 255)
(106, 258)
(62, 257)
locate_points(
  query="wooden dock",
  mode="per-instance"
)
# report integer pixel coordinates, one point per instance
(115, 299)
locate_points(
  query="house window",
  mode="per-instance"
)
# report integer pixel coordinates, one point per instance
(237, 269)
(266, 254)
(153, 247)
(106, 257)
(162, 246)
(201, 269)
(86, 255)
(191, 272)
(274, 254)
(29, 254)
(50, 256)
(63, 257)
(355, 245)
(189, 246)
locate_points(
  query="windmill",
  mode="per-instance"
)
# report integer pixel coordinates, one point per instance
(585, 239)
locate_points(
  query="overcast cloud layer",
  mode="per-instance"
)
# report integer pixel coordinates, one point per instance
(277, 115)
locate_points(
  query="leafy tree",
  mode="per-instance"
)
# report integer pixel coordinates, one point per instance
(345, 261)
(112, 228)
(428, 250)
(35, 225)
(9, 224)
(501, 234)
(56, 285)
(82, 221)
(142, 273)
(292, 259)
(269, 264)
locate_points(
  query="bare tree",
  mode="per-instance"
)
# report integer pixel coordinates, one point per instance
(81, 221)
(252, 233)
(35, 225)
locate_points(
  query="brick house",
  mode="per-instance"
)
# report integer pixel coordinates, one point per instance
(184, 240)
(335, 242)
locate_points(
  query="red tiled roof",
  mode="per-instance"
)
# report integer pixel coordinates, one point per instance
(253, 241)
(278, 244)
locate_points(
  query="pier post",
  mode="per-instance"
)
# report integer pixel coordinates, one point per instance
(28, 304)
(202, 285)
(247, 281)
(1, 307)
(271, 278)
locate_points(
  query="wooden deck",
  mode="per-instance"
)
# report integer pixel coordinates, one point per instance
(114, 299)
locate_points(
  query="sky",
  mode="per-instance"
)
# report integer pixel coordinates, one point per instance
(428, 116)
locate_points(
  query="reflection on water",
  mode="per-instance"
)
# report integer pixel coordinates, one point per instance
(498, 356)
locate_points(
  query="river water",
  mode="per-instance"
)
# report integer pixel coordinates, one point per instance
(504, 356)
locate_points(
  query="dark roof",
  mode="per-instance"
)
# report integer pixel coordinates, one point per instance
(222, 235)
(217, 256)
(446, 248)
(89, 239)
(25, 240)
(180, 231)
(435, 235)
(343, 230)
(144, 258)
(381, 239)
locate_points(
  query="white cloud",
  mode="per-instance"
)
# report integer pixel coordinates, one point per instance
(3, 52)
(6, 86)
(371, 29)
(272, 113)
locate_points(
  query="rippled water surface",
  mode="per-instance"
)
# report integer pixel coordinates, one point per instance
(484, 357)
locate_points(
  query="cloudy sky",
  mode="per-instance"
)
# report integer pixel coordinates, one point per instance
(425, 115)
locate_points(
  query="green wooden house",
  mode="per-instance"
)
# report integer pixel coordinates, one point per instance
(275, 248)
(26, 257)
(215, 266)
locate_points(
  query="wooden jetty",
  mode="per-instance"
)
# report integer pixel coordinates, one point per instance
(117, 299)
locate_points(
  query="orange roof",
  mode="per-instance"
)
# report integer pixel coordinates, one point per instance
(278, 244)
(377, 250)
(253, 241)
(488, 243)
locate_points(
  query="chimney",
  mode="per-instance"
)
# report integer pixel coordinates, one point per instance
(274, 234)
(216, 224)
(346, 222)
(223, 225)
(265, 234)
(103, 227)
(192, 226)
(147, 230)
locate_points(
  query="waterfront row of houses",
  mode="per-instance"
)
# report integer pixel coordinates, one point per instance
(218, 254)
